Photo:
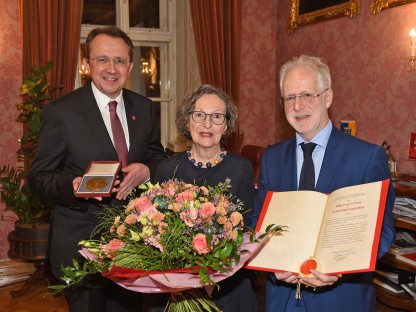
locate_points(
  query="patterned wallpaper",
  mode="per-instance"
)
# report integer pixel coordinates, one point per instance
(366, 55)
(10, 81)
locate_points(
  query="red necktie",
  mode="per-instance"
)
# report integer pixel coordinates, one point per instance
(118, 135)
(307, 174)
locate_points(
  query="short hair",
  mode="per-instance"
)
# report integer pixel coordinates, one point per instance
(188, 105)
(315, 63)
(111, 31)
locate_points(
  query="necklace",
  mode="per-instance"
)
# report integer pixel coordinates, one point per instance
(208, 164)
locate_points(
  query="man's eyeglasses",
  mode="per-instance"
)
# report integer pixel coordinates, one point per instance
(104, 61)
(216, 118)
(304, 99)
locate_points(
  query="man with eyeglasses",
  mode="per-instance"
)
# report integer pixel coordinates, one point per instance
(99, 122)
(339, 160)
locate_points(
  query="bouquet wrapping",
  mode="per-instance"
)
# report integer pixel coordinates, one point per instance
(174, 280)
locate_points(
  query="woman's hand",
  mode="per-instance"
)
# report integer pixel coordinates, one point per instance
(319, 279)
(287, 277)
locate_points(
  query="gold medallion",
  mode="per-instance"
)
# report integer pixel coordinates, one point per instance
(94, 184)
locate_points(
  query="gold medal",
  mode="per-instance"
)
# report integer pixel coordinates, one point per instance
(94, 184)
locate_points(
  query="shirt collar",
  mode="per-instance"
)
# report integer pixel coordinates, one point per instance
(321, 138)
(103, 100)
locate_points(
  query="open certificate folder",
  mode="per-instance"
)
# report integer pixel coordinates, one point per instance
(335, 233)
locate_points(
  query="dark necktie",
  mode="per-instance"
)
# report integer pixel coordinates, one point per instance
(307, 174)
(118, 135)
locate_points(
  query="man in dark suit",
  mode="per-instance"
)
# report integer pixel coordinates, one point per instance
(340, 160)
(77, 129)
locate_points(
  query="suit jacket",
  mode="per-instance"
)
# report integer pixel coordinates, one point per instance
(72, 134)
(347, 161)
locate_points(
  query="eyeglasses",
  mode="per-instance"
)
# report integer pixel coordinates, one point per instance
(304, 98)
(216, 118)
(104, 61)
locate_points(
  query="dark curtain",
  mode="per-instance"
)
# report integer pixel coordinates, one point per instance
(217, 28)
(51, 31)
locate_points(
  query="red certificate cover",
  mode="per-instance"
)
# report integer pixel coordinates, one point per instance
(335, 233)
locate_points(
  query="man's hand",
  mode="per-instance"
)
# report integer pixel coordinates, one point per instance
(134, 175)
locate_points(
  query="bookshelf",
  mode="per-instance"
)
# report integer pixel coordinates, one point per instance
(399, 301)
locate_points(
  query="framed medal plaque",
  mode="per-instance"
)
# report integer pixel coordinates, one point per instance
(98, 179)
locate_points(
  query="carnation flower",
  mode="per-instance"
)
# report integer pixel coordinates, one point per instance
(113, 245)
(236, 218)
(121, 229)
(189, 216)
(131, 218)
(184, 196)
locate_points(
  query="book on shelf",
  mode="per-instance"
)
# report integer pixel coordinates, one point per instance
(391, 275)
(334, 233)
(387, 284)
(403, 243)
(404, 207)
(410, 288)
(396, 275)
(406, 219)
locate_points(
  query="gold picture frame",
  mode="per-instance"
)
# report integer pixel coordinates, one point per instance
(379, 5)
(303, 12)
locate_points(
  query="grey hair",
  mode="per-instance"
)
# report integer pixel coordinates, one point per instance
(315, 63)
(188, 105)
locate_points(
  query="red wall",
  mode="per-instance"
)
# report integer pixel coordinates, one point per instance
(10, 81)
(366, 55)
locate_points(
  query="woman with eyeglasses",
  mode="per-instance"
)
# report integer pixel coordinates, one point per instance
(206, 117)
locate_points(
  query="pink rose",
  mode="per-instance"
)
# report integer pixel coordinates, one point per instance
(199, 244)
(207, 211)
(142, 204)
(185, 196)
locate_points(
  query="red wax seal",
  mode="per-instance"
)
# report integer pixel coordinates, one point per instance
(307, 266)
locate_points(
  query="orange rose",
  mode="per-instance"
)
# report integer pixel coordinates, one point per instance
(199, 244)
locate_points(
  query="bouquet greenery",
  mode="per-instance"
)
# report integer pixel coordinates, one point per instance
(171, 234)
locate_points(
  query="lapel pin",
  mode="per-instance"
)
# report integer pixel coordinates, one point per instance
(133, 117)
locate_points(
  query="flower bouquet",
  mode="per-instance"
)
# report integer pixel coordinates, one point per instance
(175, 238)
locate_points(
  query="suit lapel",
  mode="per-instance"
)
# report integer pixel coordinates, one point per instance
(133, 124)
(95, 121)
(329, 162)
(289, 178)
